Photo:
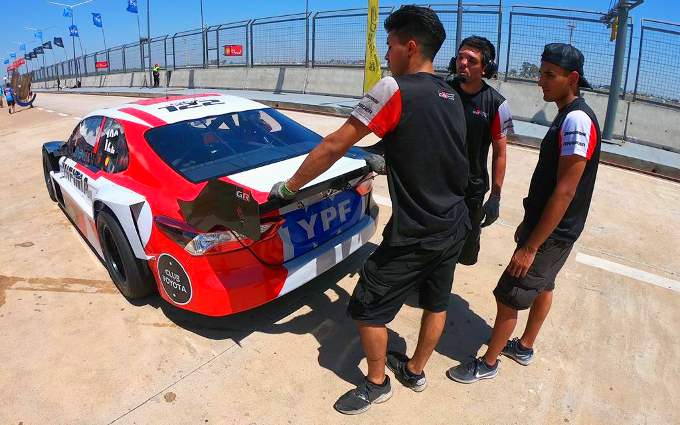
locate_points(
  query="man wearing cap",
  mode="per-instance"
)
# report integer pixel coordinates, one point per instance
(489, 121)
(555, 212)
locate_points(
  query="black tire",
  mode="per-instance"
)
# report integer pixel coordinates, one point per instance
(131, 275)
(48, 180)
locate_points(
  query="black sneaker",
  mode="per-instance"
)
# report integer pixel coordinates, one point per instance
(360, 399)
(396, 362)
(513, 350)
(472, 371)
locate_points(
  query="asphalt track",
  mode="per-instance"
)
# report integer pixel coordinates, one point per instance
(75, 351)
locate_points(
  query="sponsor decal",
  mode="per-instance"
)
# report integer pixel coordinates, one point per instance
(365, 108)
(371, 98)
(194, 103)
(174, 279)
(446, 95)
(77, 179)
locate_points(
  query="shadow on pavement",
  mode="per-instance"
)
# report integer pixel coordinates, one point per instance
(339, 344)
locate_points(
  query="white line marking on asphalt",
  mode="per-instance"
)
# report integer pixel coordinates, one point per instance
(40, 109)
(63, 115)
(49, 110)
(630, 272)
(382, 200)
(77, 118)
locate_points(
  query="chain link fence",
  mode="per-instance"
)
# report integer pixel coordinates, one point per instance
(531, 28)
(336, 38)
(657, 78)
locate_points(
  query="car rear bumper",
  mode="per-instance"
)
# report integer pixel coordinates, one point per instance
(221, 291)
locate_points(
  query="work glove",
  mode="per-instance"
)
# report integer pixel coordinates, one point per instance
(281, 191)
(376, 163)
(492, 208)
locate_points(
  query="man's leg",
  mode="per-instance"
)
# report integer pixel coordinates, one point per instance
(431, 328)
(374, 343)
(506, 320)
(539, 311)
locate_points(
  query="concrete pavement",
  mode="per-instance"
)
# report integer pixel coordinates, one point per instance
(75, 351)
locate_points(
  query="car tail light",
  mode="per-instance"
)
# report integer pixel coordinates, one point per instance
(364, 186)
(196, 242)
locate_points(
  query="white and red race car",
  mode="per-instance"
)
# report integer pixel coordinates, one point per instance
(172, 194)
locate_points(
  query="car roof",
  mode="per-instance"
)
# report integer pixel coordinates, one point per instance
(157, 112)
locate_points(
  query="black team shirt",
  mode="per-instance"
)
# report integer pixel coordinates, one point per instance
(422, 124)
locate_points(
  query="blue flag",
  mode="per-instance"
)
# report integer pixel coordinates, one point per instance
(132, 6)
(73, 31)
(6, 61)
(68, 12)
(58, 42)
(38, 35)
(22, 47)
(13, 55)
(97, 19)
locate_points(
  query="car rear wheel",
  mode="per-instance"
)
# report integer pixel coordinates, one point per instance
(48, 180)
(131, 276)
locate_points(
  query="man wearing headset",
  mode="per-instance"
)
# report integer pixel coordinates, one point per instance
(489, 122)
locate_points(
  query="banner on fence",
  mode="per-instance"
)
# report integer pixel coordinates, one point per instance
(101, 64)
(372, 72)
(233, 50)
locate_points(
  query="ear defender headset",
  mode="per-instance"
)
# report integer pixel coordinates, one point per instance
(490, 65)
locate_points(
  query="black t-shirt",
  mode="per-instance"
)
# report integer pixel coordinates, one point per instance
(488, 118)
(422, 123)
(574, 131)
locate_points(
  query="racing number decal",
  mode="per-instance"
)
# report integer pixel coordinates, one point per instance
(174, 279)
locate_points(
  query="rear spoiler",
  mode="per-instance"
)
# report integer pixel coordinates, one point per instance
(212, 207)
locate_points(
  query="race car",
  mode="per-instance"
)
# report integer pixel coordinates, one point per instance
(172, 194)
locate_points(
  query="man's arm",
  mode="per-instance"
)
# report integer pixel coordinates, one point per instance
(498, 164)
(331, 148)
(569, 172)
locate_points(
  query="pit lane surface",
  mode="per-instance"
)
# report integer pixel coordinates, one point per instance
(75, 351)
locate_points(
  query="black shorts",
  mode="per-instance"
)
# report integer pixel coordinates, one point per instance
(391, 273)
(470, 252)
(520, 293)
(10, 103)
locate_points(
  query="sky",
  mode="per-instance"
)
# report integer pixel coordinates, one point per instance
(171, 16)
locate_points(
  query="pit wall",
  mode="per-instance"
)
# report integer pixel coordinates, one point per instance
(641, 122)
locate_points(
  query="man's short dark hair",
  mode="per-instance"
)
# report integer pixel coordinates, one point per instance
(482, 44)
(417, 23)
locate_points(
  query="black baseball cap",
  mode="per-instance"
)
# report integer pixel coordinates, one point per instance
(568, 57)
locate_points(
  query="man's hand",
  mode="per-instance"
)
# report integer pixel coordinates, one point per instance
(492, 209)
(521, 261)
(376, 163)
(280, 191)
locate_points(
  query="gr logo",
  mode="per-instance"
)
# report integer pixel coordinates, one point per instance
(174, 279)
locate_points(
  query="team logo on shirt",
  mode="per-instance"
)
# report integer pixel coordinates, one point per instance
(446, 95)
(479, 112)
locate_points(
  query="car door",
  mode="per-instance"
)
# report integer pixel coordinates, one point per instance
(78, 171)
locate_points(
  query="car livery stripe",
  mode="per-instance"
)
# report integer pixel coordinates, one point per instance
(153, 120)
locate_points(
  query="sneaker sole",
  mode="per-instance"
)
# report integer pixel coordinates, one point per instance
(522, 362)
(453, 378)
(383, 398)
(416, 388)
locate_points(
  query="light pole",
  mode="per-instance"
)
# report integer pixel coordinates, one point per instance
(71, 7)
(204, 37)
(618, 13)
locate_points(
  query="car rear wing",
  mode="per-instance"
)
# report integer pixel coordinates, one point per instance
(223, 204)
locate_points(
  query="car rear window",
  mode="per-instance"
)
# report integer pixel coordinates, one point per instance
(216, 146)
